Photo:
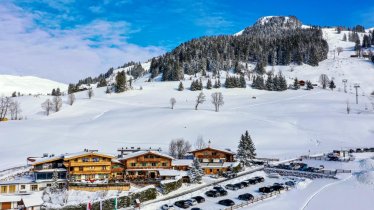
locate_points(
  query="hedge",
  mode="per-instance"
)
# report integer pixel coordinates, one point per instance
(167, 187)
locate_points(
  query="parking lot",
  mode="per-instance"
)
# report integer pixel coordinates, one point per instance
(212, 203)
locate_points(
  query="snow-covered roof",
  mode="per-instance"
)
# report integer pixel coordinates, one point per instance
(20, 180)
(9, 198)
(140, 153)
(46, 159)
(211, 148)
(32, 201)
(169, 172)
(182, 162)
(84, 153)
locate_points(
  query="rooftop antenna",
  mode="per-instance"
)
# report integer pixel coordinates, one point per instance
(209, 142)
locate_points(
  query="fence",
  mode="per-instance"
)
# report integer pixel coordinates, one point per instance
(256, 199)
(343, 171)
(310, 175)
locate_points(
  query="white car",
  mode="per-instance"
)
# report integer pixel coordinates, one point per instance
(273, 175)
(192, 202)
(167, 207)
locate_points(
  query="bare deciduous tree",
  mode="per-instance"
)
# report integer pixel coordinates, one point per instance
(324, 80)
(200, 99)
(47, 106)
(172, 102)
(217, 100)
(15, 110)
(57, 103)
(348, 107)
(339, 50)
(71, 99)
(200, 143)
(90, 93)
(5, 103)
(179, 147)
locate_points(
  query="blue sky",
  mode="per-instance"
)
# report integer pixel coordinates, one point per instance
(68, 39)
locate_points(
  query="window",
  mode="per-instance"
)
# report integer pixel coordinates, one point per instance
(85, 159)
(165, 164)
(144, 164)
(214, 153)
(154, 164)
(95, 159)
(48, 185)
(133, 164)
(34, 187)
(12, 189)
(23, 187)
(211, 170)
(80, 168)
(4, 189)
(104, 167)
(71, 168)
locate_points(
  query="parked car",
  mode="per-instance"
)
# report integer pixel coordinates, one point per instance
(214, 176)
(229, 175)
(182, 204)
(290, 183)
(192, 202)
(232, 187)
(167, 207)
(246, 197)
(277, 187)
(260, 178)
(199, 199)
(221, 191)
(196, 208)
(273, 175)
(253, 181)
(239, 185)
(245, 184)
(212, 193)
(226, 202)
(265, 189)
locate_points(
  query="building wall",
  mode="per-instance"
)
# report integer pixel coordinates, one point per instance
(101, 188)
(211, 155)
(214, 170)
(26, 188)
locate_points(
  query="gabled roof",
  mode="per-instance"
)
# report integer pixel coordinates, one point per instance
(210, 148)
(141, 153)
(47, 159)
(85, 153)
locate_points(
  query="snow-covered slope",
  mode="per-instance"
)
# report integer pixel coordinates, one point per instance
(27, 84)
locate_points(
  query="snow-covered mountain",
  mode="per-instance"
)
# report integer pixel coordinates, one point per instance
(27, 85)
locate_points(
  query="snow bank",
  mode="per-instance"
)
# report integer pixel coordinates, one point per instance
(366, 177)
(367, 164)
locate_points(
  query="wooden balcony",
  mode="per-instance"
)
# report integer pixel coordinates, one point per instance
(210, 156)
(72, 164)
(148, 167)
(117, 170)
(142, 159)
(90, 172)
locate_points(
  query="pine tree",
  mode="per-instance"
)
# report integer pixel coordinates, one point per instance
(121, 82)
(296, 84)
(102, 83)
(269, 83)
(107, 90)
(58, 92)
(282, 82)
(180, 87)
(246, 149)
(344, 37)
(54, 186)
(209, 84)
(195, 173)
(193, 86)
(332, 85)
(53, 92)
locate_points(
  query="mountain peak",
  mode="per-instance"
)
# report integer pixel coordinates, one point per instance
(290, 22)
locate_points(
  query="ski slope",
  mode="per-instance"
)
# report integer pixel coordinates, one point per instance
(27, 85)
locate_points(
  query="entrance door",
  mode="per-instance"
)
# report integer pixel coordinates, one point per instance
(6, 205)
(153, 175)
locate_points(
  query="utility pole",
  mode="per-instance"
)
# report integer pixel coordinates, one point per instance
(356, 86)
(345, 85)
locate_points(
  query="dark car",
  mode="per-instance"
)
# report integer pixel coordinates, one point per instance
(182, 204)
(212, 193)
(245, 184)
(290, 183)
(260, 178)
(266, 189)
(252, 181)
(278, 187)
(226, 202)
(239, 185)
(222, 192)
(196, 208)
(229, 175)
(246, 197)
(231, 187)
(199, 199)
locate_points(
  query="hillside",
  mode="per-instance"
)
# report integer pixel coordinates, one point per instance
(282, 124)
(27, 85)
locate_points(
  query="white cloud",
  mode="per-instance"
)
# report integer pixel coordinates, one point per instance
(64, 55)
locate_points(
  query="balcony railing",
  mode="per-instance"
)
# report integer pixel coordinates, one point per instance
(91, 172)
(89, 164)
